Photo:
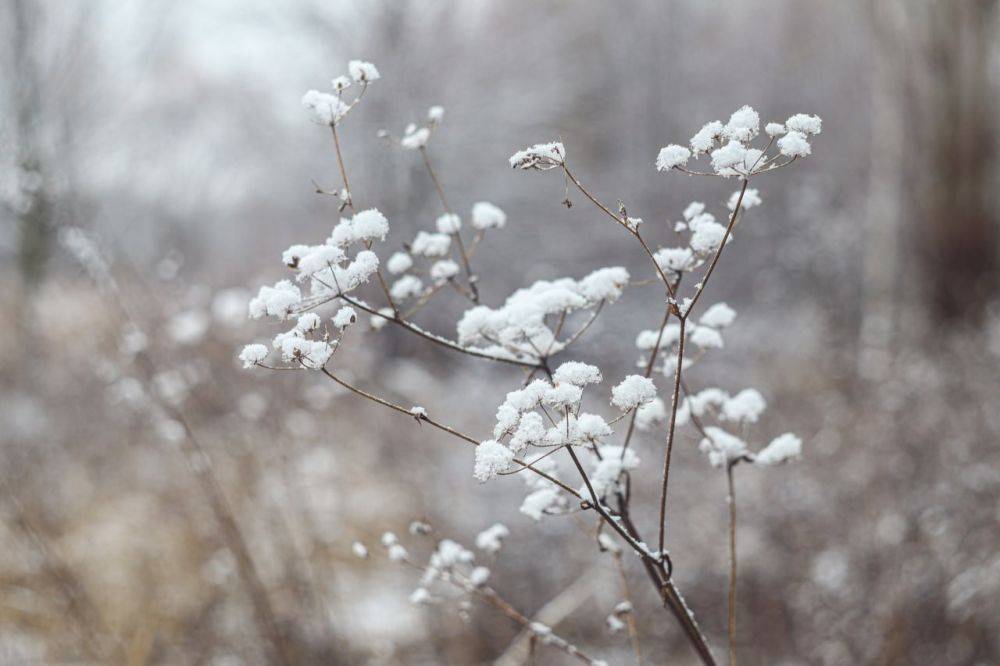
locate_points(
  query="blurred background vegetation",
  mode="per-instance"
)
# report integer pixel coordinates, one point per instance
(210, 530)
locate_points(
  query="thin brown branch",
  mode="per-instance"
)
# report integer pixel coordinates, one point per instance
(670, 434)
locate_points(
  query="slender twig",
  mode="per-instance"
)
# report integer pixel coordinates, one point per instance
(470, 276)
(423, 418)
(670, 434)
(718, 252)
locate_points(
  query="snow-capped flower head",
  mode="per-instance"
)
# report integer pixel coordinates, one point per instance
(449, 223)
(775, 129)
(746, 406)
(541, 156)
(408, 286)
(707, 238)
(491, 539)
(705, 138)
(580, 374)
(444, 269)
(672, 156)
(728, 156)
(415, 137)
(694, 209)
(541, 501)
(435, 114)
(430, 245)
(805, 123)
(492, 458)
(562, 396)
(781, 449)
(487, 216)
(675, 259)
(324, 108)
(359, 550)
(530, 431)
(794, 144)
(341, 83)
(277, 301)
(399, 262)
(345, 317)
(308, 322)
(253, 354)
(369, 225)
(362, 71)
(718, 315)
(721, 447)
(633, 391)
(743, 125)
(704, 337)
(604, 284)
(592, 427)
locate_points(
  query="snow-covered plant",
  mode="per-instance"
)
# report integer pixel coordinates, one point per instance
(571, 458)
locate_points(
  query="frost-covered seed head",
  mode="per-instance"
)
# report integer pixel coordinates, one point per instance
(633, 391)
(672, 156)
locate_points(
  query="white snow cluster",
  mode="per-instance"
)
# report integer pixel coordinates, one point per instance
(730, 146)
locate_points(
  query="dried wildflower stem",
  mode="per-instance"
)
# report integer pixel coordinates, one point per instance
(457, 234)
(490, 596)
(680, 360)
(647, 373)
(624, 224)
(599, 507)
(675, 399)
(718, 253)
(350, 202)
(450, 344)
(732, 562)
(440, 426)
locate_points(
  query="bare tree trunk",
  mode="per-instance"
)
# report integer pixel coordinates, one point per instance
(952, 158)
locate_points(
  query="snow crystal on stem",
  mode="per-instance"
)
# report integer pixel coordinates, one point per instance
(399, 262)
(672, 156)
(487, 216)
(782, 448)
(540, 156)
(492, 457)
(491, 539)
(253, 354)
(633, 391)
(794, 144)
(363, 71)
(345, 317)
(580, 374)
(449, 223)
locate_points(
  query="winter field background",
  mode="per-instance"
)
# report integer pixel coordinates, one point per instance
(162, 504)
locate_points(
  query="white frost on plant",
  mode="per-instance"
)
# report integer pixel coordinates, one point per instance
(718, 316)
(746, 406)
(363, 71)
(399, 262)
(253, 354)
(575, 372)
(487, 216)
(782, 448)
(540, 501)
(633, 391)
(431, 245)
(449, 223)
(491, 539)
(794, 144)
(443, 270)
(722, 447)
(540, 156)
(672, 156)
(805, 123)
(345, 317)
(492, 458)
